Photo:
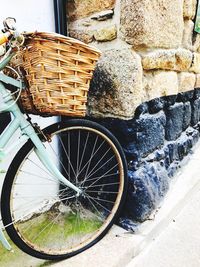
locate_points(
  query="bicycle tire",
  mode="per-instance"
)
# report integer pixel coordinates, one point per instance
(116, 179)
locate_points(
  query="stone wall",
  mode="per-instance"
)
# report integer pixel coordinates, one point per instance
(151, 42)
(143, 88)
(158, 138)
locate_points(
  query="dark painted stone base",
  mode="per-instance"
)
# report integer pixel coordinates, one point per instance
(155, 142)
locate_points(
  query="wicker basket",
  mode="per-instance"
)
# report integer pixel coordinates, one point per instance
(58, 70)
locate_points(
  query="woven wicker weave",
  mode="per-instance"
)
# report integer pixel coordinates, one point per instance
(58, 70)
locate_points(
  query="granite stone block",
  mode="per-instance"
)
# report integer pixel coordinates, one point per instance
(174, 121)
(150, 132)
(187, 114)
(195, 112)
(147, 186)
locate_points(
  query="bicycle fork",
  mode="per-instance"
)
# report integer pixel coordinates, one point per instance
(47, 162)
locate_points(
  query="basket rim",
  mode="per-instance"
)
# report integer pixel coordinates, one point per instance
(62, 38)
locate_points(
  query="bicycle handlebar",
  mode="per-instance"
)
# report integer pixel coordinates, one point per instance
(4, 37)
(10, 34)
(8, 31)
(13, 39)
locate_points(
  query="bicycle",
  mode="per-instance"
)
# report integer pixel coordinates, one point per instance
(67, 183)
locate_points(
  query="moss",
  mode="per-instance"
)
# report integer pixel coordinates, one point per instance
(43, 232)
(71, 225)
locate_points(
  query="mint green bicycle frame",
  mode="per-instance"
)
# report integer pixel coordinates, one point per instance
(27, 132)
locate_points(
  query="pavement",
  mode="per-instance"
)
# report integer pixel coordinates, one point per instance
(179, 244)
(170, 238)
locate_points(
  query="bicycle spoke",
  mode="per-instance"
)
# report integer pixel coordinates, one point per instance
(97, 202)
(88, 166)
(100, 167)
(44, 170)
(104, 176)
(60, 162)
(105, 192)
(39, 176)
(100, 185)
(77, 163)
(96, 178)
(46, 227)
(83, 153)
(101, 176)
(100, 199)
(68, 140)
(67, 155)
(101, 159)
(89, 161)
(101, 218)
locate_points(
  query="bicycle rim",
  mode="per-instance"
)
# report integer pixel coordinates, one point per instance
(47, 219)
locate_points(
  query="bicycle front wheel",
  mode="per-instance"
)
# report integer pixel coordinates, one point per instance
(45, 218)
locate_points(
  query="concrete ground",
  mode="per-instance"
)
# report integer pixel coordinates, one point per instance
(170, 238)
(179, 244)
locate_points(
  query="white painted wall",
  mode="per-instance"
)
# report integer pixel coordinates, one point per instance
(31, 15)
